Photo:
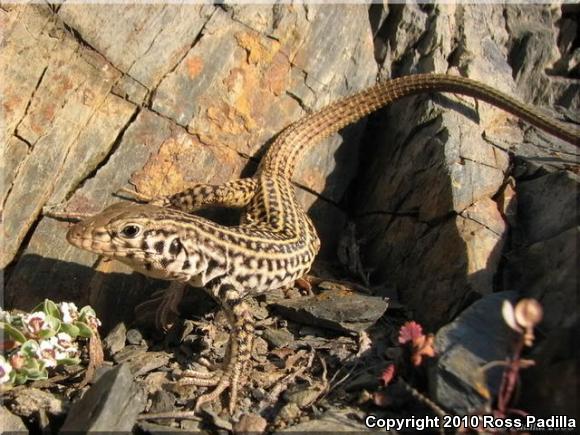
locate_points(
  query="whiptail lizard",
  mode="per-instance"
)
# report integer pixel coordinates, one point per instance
(276, 242)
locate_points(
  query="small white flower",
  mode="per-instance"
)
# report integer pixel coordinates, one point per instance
(35, 322)
(5, 316)
(64, 345)
(69, 311)
(48, 353)
(5, 370)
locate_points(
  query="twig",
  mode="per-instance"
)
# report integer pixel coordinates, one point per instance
(424, 399)
(509, 380)
(282, 384)
(184, 415)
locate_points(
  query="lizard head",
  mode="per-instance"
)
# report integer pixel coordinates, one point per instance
(143, 236)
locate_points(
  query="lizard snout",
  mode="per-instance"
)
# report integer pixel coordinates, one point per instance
(75, 234)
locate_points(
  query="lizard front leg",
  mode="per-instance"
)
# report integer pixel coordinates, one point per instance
(234, 194)
(164, 304)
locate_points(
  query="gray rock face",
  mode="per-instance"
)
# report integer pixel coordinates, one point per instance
(478, 336)
(333, 420)
(10, 422)
(334, 309)
(111, 405)
(548, 205)
(430, 205)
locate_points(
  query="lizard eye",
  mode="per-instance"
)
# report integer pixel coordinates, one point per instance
(175, 247)
(130, 231)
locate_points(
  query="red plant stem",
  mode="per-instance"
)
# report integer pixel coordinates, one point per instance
(509, 379)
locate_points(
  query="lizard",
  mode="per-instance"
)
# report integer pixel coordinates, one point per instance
(275, 242)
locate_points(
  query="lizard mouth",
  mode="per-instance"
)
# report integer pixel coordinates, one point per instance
(77, 236)
(101, 247)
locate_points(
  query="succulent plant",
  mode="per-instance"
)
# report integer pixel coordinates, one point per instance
(47, 337)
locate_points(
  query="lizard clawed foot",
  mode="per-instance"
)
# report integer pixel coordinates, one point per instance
(200, 379)
(221, 380)
(231, 378)
(238, 356)
(140, 197)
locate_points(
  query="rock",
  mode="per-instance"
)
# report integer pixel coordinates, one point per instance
(547, 205)
(111, 404)
(190, 426)
(154, 381)
(129, 353)
(330, 220)
(91, 113)
(547, 271)
(303, 396)
(277, 337)
(478, 336)
(334, 309)
(289, 412)
(10, 422)
(97, 97)
(134, 336)
(115, 340)
(543, 264)
(250, 423)
(531, 30)
(334, 420)
(14, 153)
(27, 402)
(428, 163)
(149, 57)
(545, 387)
(259, 349)
(217, 420)
(59, 104)
(162, 401)
(153, 428)
(148, 361)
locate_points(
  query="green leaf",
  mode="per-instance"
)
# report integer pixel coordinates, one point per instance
(70, 329)
(68, 361)
(84, 329)
(13, 332)
(53, 322)
(32, 364)
(36, 374)
(20, 378)
(46, 333)
(12, 377)
(86, 311)
(29, 348)
(51, 309)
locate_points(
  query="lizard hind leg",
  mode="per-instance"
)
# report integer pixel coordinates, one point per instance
(238, 355)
